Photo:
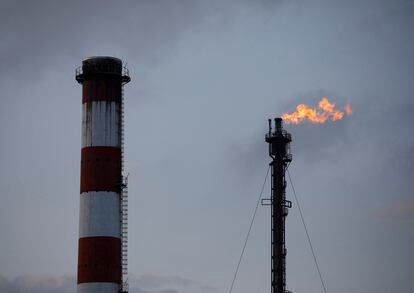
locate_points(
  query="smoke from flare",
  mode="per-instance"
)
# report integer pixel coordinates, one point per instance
(325, 110)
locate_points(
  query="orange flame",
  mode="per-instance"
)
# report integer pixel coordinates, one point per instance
(318, 115)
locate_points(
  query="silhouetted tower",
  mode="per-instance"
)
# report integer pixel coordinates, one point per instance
(279, 150)
(102, 250)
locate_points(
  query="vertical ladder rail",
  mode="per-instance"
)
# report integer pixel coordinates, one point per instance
(124, 231)
(124, 208)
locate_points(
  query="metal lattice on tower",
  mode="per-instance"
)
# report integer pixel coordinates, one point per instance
(279, 150)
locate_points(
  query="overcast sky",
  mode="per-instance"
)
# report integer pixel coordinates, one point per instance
(206, 76)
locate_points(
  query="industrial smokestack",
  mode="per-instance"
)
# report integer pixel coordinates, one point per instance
(100, 253)
(279, 150)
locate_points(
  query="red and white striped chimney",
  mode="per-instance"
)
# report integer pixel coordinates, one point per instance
(99, 247)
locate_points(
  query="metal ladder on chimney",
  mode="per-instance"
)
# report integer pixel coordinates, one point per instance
(124, 209)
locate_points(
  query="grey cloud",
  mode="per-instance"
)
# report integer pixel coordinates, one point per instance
(154, 281)
(38, 284)
(168, 284)
(39, 36)
(402, 13)
(400, 211)
(66, 284)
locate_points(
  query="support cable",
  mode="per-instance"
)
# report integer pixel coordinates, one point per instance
(307, 234)
(248, 232)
